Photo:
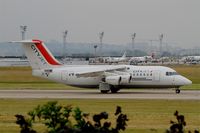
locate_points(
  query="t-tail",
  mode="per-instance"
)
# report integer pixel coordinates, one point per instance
(38, 54)
(124, 55)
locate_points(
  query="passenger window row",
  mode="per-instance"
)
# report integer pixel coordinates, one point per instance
(142, 73)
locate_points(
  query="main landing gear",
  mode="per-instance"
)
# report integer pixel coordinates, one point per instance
(105, 88)
(104, 91)
(178, 90)
(114, 89)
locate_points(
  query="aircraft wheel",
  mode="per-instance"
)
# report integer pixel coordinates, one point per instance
(178, 91)
(114, 89)
(104, 91)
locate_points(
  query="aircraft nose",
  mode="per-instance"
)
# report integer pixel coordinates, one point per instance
(180, 80)
(187, 81)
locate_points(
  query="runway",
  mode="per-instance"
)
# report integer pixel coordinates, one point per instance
(95, 94)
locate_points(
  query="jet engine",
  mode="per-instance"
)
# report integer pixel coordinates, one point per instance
(125, 79)
(113, 80)
(118, 79)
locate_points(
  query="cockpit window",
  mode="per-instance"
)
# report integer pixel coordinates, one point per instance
(171, 73)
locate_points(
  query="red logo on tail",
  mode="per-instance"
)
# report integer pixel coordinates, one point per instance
(49, 58)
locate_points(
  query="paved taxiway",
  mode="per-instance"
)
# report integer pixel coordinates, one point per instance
(95, 94)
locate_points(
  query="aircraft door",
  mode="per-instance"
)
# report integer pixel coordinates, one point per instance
(156, 75)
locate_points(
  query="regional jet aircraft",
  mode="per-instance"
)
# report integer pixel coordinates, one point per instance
(141, 59)
(105, 77)
(117, 59)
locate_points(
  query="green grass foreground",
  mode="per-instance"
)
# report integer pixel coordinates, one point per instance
(21, 78)
(145, 116)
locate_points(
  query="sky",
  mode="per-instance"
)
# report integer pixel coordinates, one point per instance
(178, 20)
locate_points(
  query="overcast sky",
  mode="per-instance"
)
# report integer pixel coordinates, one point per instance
(178, 20)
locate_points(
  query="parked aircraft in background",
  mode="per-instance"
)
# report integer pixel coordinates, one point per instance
(141, 59)
(116, 59)
(191, 59)
(105, 77)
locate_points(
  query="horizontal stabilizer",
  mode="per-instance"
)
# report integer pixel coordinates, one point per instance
(27, 41)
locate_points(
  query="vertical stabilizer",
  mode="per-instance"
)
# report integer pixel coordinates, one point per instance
(38, 54)
(124, 55)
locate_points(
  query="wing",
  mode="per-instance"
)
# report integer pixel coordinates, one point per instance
(100, 71)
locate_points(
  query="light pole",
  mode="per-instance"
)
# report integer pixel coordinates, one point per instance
(160, 39)
(101, 34)
(95, 50)
(133, 41)
(64, 43)
(23, 29)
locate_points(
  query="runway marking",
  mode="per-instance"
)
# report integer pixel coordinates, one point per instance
(95, 94)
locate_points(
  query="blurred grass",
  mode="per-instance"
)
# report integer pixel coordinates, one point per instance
(145, 116)
(191, 72)
(21, 78)
(19, 75)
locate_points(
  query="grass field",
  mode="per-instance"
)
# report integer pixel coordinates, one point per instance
(145, 115)
(191, 72)
(21, 78)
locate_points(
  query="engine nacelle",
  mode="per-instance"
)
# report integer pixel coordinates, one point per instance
(118, 79)
(113, 80)
(125, 79)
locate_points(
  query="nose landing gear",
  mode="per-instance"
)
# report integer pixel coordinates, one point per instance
(178, 90)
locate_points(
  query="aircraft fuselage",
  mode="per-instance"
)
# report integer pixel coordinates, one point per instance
(141, 76)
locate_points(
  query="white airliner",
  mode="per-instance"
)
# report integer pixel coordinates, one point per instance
(106, 77)
(117, 59)
(141, 59)
(191, 59)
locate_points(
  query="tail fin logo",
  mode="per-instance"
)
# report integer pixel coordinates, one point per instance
(43, 53)
(38, 54)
